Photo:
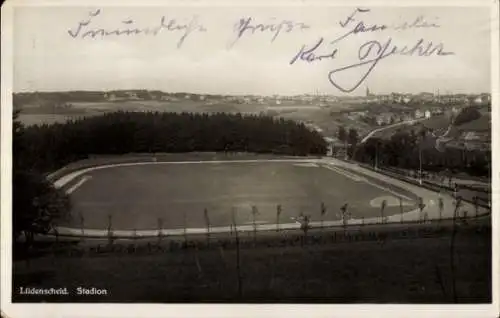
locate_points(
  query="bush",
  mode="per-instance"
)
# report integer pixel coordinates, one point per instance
(466, 115)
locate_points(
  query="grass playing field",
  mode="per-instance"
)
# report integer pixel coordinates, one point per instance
(137, 196)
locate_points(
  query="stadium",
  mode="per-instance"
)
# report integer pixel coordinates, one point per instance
(155, 196)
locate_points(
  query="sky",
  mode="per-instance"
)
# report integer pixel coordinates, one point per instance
(53, 50)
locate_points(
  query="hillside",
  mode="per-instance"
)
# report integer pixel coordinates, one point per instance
(367, 266)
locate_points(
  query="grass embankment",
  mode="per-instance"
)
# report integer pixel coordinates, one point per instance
(367, 266)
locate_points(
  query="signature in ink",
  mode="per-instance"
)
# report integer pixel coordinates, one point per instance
(85, 30)
(372, 52)
(310, 54)
(247, 26)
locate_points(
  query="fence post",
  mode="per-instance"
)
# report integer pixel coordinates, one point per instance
(254, 213)
(305, 228)
(56, 233)
(401, 208)
(278, 213)
(421, 207)
(343, 210)
(441, 208)
(233, 219)
(238, 269)
(207, 221)
(475, 200)
(110, 232)
(82, 226)
(185, 230)
(323, 212)
(160, 230)
(382, 210)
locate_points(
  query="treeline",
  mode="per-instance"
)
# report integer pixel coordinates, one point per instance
(49, 147)
(56, 98)
(409, 150)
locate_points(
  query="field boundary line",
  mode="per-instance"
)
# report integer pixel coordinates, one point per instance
(78, 184)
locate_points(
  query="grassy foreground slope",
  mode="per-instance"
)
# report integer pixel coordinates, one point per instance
(370, 267)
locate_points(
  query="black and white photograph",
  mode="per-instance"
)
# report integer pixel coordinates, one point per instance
(249, 153)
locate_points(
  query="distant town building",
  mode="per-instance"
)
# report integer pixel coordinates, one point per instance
(132, 95)
(368, 93)
(110, 97)
(383, 119)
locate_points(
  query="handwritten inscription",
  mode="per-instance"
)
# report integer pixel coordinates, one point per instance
(310, 54)
(326, 48)
(356, 26)
(371, 52)
(247, 26)
(86, 29)
(419, 22)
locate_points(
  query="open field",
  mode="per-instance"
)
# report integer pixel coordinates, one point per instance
(136, 196)
(295, 110)
(405, 266)
(39, 119)
(438, 123)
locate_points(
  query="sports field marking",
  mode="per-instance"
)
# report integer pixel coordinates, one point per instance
(356, 178)
(78, 184)
(345, 173)
(70, 176)
(306, 165)
(256, 222)
(297, 220)
(388, 190)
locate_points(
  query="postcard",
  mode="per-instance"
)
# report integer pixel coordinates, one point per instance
(227, 159)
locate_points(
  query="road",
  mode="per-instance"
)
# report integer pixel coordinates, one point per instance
(388, 127)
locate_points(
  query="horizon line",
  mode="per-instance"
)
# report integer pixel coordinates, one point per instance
(446, 92)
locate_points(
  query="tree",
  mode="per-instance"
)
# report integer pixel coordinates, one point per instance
(421, 207)
(342, 133)
(383, 205)
(305, 225)
(36, 203)
(441, 207)
(343, 213)
(475, 201)
(353, 136)
(352, 139)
